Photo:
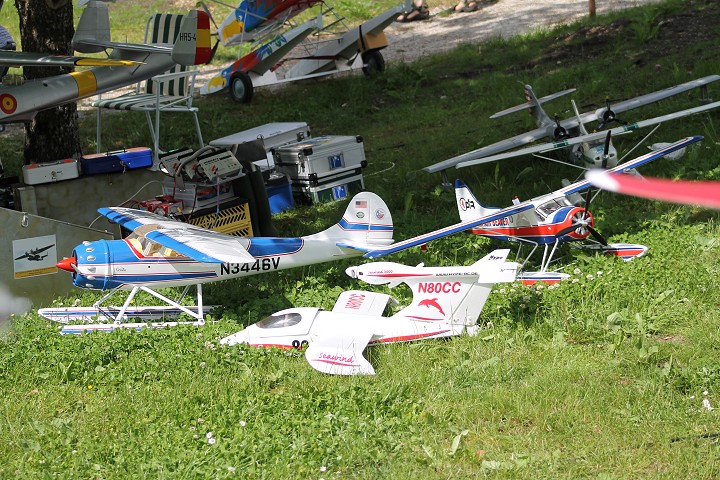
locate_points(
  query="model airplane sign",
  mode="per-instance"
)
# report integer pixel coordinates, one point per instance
(548, 220)
(447, 301)
(166, 253)
(589, 149)
(130, 64)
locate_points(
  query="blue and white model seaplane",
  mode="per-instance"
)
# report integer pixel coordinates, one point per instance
(162, 252)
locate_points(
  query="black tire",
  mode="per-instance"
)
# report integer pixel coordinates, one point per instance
(241, 87)
(374, 63)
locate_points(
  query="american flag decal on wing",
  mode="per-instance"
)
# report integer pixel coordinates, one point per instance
(361, 204)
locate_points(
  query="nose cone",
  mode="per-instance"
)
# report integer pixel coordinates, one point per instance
(351, 272)
(67, 264)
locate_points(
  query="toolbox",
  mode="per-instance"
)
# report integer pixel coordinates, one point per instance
(119, 161)
(329, 190)
(319, 158)
(38, 173)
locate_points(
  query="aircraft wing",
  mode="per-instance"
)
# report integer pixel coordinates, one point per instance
(589, 137)
(649, 98)
(706, 194)
(20, 59)
(631, 164)
(361, 302)
(340, 351)
(497, 147)
(444, 232)
(195, 242)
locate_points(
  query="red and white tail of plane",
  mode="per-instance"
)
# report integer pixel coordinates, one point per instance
(191, 46)
(459, 297)
(468, 206)
(366, 224)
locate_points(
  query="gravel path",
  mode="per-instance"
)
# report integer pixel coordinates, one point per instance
(501, 18)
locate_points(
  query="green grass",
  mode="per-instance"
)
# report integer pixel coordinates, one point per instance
(601, 377)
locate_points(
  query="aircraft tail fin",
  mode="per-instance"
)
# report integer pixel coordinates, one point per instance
(458, 298)
(93, 28)
(192, 44)
(468, 206)
(366, 224)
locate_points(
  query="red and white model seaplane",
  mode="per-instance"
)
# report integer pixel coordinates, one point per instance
(447, 301)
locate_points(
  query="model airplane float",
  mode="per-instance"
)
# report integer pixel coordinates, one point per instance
(261, 22)
(130, 63)
(704, 194)
(587, 149)
(166, 253)
(447, 301)
(548, 220)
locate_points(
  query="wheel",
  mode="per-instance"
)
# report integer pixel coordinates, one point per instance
(241, 87)
(374, 62)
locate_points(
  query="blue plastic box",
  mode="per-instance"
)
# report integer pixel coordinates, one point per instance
(279, 192)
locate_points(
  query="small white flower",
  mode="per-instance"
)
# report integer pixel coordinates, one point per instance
(706, 393)
(323, 468)
(208, 435)
(692, 397)
(706, 405)
(589, 276)
(243, 423)
(201, 420)
(540, 286)
(211, 441)
(195, 436)
(502, 291)
(599, 273)
(202, 364)
(575, 280)
(577, 271)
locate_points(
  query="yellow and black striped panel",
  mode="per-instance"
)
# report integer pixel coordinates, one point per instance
(231, 221)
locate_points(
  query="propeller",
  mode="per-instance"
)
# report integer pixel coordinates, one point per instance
(606, 151)
(581, 222)
(608, 116)
(559, 133)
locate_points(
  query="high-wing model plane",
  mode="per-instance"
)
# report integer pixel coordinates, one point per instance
(548, 220)
(128, 64)
(166, 253)
(261, 23)
(587, 149)
(447, 301)
(702, 193)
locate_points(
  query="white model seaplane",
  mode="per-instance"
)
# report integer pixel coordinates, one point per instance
(162, 252)
(130, 63)
(587, 149)
(548, 220)
(262, 25)
(447, 301)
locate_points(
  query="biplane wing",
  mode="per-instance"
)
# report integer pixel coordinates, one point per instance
(195, 242)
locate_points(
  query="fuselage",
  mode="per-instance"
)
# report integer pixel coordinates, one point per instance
(549, 222)
(127, 263)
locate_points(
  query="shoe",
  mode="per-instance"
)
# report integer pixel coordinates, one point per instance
(471, 7)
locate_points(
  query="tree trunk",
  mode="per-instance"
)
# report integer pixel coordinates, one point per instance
(47, 26)
(591, 7)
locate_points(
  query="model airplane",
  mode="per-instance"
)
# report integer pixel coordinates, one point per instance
(34, 255)
(262, 22)
(166, 253)
(130, 63)
(589, 149)
(548, 220)
(447, 301)
(705, 194)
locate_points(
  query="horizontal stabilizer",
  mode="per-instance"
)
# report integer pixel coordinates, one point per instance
(526, 105)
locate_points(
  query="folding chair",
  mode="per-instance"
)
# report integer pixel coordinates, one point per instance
(169, 92)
